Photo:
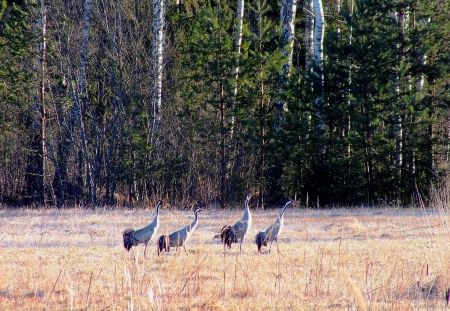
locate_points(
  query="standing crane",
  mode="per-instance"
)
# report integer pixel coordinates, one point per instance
(271, 234)
(178, 238)
(237, 232)
(134, 237)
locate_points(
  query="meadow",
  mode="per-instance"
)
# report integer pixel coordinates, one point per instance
(333, 259)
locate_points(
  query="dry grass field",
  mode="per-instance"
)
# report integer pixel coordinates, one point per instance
(337, 259)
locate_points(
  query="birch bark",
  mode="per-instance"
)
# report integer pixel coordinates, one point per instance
(398, 18)
(287, 16)
(158, 31)
(309, 38)
(309, 52)
(235, 69)
(288, 11)
(319, 33)
(349, 78)
(38, 122)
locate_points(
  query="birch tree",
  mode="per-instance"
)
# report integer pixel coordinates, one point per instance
(288, 11)
(235, 69)
(319, 33)
(158, 32)
(399, 19)
(349, 78)
(309, 51)
(287, 16)
(309, 37)
(38, 158)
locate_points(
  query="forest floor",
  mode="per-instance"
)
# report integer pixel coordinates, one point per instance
(334, 259)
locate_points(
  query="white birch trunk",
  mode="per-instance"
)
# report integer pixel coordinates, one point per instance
(288, 11)
(319, 33)
(287, 16)
(309, 37)
(421, 82)
(39, 120)
(401, 20)
(235, 69)
(158, 31)
(349, 79)
(309, 50)
(404, 20)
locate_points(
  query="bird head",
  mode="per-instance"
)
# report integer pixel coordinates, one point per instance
(198, 209)
(160, 204)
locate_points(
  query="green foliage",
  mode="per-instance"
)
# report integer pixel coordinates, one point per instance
(16, 83)
(385, 104)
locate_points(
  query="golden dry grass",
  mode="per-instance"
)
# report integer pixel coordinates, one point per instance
(340, 259)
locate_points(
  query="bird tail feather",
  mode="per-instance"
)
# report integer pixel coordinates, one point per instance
(163, 244)
(229, 236)
(260, 240)
(223, 232)
(128, 240)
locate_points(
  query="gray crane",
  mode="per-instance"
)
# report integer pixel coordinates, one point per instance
(237, 232)
(271, 234)
(134, 237)
(178, 238)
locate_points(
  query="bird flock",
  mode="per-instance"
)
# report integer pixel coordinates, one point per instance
(229, 234)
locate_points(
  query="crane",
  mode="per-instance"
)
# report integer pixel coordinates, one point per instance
(237, 232)
(134, 237)
(180, 237)
(271, 234)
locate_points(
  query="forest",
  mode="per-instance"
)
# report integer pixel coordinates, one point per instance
(124, 102)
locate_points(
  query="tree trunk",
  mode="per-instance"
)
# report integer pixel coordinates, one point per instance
(235, 69)
(368, 153)
(36, 169)
(158, 31)
(287, 16)
(349, 78)
(288, 10)
(399, 19)
(309, 37)
(309, 53)
(319, 33)
(81, 99)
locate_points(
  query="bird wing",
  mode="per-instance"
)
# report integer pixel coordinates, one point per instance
(240, 228)
(144, 234)
(178, 238)
(273, 231)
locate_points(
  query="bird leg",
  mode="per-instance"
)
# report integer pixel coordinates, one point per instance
(278, 248)
(145, 249)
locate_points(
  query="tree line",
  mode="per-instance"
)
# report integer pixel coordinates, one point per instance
(200, 101)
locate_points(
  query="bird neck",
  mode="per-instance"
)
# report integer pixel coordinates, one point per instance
(247, 214)
(194, 223)
(156, 218)
(284, 209)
